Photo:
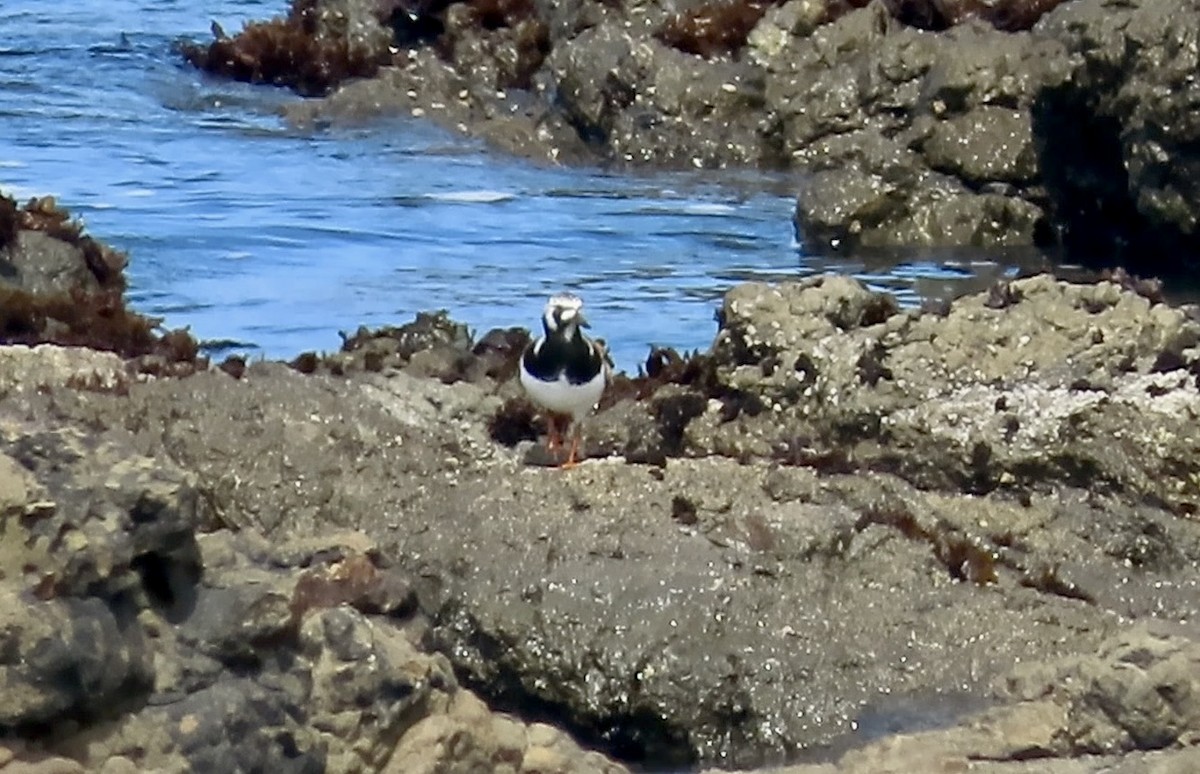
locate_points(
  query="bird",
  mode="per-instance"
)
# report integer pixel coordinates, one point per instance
(563, 371)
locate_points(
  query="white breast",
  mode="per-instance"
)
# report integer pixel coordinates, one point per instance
(562, 397)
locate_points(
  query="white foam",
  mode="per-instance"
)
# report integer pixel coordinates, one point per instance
(708, 208)
(482, 196)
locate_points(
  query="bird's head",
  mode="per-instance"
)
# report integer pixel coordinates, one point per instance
(564, 315)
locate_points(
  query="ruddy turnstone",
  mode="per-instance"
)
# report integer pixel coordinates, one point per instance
(564, 371)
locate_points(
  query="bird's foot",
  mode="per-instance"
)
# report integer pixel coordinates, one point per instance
(553, 438)
(571, 461)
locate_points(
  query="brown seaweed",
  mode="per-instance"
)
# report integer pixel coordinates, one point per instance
(962, 557)
(716, 28)
(288, 51)
(96, 319)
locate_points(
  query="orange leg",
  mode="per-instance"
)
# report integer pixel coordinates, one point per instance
(571, 461)
(553, 439)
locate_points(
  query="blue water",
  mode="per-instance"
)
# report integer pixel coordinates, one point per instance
(272, 240)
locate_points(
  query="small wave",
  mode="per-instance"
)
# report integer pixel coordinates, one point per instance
(472, 197)
(21, 193)
(707, 208)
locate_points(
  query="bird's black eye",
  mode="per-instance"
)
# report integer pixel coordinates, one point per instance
(557, 317)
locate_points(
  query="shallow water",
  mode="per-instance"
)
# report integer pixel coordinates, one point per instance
(268, 240)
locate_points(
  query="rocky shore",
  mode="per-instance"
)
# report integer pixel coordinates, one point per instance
(1061, 125)
(846, 538)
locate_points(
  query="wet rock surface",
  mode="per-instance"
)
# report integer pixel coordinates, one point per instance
(141, 634)
(841, 534)
(908, 123)
(1077, 715)
(847, 537)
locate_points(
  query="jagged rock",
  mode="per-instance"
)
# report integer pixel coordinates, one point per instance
(45, 367)
(798, 541)
(982, 105)
(1024, 399)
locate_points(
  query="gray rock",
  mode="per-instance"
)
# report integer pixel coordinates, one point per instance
(68, 659)
(856, 518)
(1070, 717)
(46, 367)
(974, 136)
(115, 527)
(1137, 692)
(42, 265)
(966, 146)
(1052, 396)
(135, 638)
(354, 21)
(1132, 171)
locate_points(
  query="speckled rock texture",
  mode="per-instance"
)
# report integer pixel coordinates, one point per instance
(854, 531)
(1077, 131)
(143, 633)
(847, 537)
(1037, 380)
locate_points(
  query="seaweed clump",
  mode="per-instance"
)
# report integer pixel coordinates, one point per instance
(98, 320)
(718, 27)
(92, 317)
(300, 50)
(1149, 288)
(964, 559)
(431, 345)
(663, 366)
(354, 580)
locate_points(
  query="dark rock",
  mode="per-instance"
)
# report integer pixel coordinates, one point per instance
(100, 521)
(914, 122)
(39, 264)
(234, 365)
(432, 345)
(1130, 179)
(51, 271)
(69, 659)
(96, 540)
(911, 152)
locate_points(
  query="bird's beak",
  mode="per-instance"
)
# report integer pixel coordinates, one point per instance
(581, 321)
